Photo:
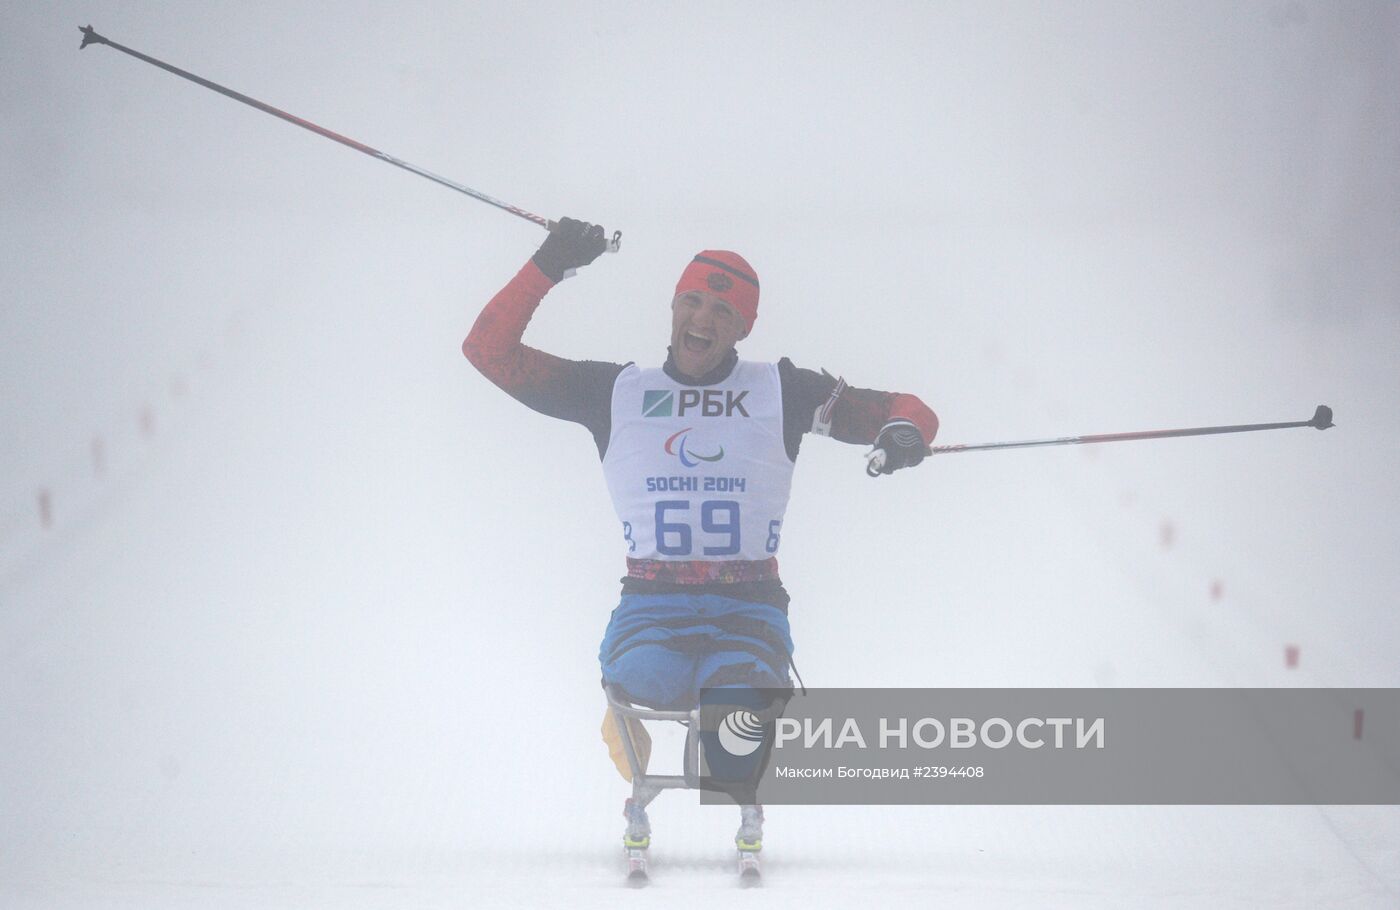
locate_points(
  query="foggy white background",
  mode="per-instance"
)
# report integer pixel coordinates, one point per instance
(327, 636)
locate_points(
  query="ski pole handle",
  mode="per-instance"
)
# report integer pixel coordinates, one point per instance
(614, 243)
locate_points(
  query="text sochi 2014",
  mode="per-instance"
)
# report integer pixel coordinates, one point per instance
(955, 733)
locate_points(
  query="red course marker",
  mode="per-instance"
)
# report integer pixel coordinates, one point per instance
(1290, 656)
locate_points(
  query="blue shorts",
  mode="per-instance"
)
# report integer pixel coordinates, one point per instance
(662, 649)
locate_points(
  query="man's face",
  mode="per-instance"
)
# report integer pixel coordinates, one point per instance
(704, 329)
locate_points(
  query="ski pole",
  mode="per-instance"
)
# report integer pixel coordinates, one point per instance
(1321, 420)
(91, 37)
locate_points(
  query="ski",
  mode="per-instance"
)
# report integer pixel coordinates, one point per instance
(749, 872)
(637, 867)
(749, 840)
(635, 841)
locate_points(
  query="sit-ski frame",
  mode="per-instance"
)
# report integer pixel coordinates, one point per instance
(646, 787)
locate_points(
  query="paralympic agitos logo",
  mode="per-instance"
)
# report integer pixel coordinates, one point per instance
(676, 446)
(698, 402)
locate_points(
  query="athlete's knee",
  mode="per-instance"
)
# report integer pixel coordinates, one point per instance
(651, 674)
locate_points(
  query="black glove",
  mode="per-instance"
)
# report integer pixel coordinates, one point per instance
(571, 245)
(903, 445)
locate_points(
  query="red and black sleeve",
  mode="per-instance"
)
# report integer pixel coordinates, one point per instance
(575, 390)
(857, 415)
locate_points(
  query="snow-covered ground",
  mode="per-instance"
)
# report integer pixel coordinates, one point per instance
(326, 636)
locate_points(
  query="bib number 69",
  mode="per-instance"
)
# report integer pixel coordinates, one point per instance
(718, 518)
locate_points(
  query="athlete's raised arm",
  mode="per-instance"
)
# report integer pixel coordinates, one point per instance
(575, 390)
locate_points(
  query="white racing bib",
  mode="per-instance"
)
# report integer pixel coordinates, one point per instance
(699, 472)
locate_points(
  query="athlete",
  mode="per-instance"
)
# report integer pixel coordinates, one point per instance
(698, 455)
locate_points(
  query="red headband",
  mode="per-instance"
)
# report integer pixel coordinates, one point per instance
(726, 275)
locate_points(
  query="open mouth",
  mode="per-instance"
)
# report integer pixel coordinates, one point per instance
(697, 344)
